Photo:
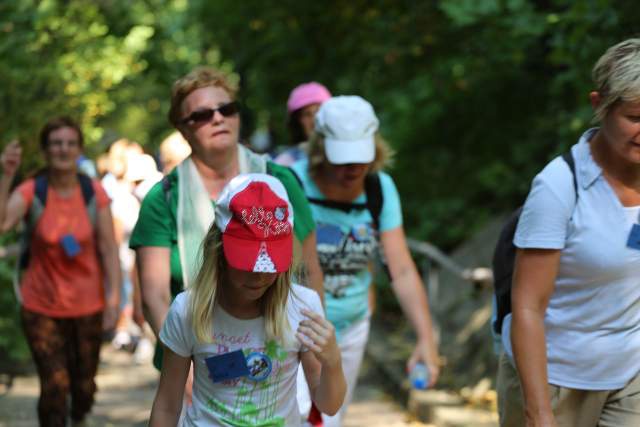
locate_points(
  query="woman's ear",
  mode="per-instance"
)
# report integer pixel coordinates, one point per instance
(595, 98)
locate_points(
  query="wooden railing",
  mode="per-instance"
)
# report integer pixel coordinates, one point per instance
(432, 261)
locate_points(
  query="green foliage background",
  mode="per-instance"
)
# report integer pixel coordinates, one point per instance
(475, 96)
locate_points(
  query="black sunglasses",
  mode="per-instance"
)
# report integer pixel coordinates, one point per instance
(206, 114)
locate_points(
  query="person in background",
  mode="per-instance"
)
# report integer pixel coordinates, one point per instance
(70, 287)
(302, 105)
(173, 150)
(572, 341)
(87, 166)
(243, 310)
(344, 152)
(102, 166)
(125, 208)
(116, 165)
(142, 173)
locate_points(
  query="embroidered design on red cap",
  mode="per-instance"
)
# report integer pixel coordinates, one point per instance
(264, 264)
(280, 213)
(271, 223)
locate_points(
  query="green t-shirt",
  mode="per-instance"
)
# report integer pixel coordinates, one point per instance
(157, 222)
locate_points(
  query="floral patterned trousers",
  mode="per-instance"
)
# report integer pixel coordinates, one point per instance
(66, 352)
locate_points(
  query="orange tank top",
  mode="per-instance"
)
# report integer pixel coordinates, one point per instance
(53, 283)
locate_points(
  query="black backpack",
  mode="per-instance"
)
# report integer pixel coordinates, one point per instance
(504, 257)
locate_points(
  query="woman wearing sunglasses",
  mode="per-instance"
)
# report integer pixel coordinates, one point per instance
(176, 213)
(345, 153)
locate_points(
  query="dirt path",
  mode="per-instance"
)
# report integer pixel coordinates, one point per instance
(126, 393)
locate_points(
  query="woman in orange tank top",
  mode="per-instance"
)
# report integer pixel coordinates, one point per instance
(70, 286)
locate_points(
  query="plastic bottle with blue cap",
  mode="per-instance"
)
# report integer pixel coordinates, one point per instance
(419, 376)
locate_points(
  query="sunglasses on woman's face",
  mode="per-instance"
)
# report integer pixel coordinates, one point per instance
(206, 114)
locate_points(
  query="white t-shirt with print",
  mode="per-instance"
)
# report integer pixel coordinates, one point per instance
(242, 401)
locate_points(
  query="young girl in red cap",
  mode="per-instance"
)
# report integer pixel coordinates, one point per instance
(245, 325)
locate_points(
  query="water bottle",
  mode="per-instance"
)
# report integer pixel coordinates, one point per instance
(419, 376)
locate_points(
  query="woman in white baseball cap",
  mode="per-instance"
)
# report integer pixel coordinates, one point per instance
(357, 208)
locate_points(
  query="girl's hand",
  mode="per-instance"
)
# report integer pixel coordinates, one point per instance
(10, 158)
(428, 354)
(319, 335)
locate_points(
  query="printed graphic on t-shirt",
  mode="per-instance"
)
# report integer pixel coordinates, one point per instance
(255, 401)
(262, 389)
(342, 254)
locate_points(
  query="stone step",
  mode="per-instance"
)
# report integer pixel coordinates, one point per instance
(387, 354)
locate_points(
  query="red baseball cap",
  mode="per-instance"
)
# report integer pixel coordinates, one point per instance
(256, 219)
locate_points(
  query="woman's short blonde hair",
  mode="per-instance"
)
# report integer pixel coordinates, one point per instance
(198, 78)
(318, 157)
(617, 75)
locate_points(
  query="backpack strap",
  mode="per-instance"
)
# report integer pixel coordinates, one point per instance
(333, 204)
(88, 195)
(375, 200)
(32, 216)
(373, 192)
(570, 161)
(41, 188)
(166, 189)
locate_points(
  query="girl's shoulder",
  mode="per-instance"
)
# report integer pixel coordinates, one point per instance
(301, 297)
(180, 303)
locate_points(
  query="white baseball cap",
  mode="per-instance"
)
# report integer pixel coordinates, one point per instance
(348, 124)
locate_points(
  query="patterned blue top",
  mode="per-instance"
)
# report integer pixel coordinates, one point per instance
(347, 242)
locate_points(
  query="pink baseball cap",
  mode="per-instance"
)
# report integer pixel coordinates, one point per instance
(307, 94)
(256, 219)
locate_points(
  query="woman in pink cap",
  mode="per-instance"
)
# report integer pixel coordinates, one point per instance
(302, 105)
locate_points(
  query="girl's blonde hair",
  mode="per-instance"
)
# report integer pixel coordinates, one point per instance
(318, 157)
(204, 294)
(617, 75)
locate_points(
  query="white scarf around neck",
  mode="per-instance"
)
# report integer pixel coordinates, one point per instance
(196, 212)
